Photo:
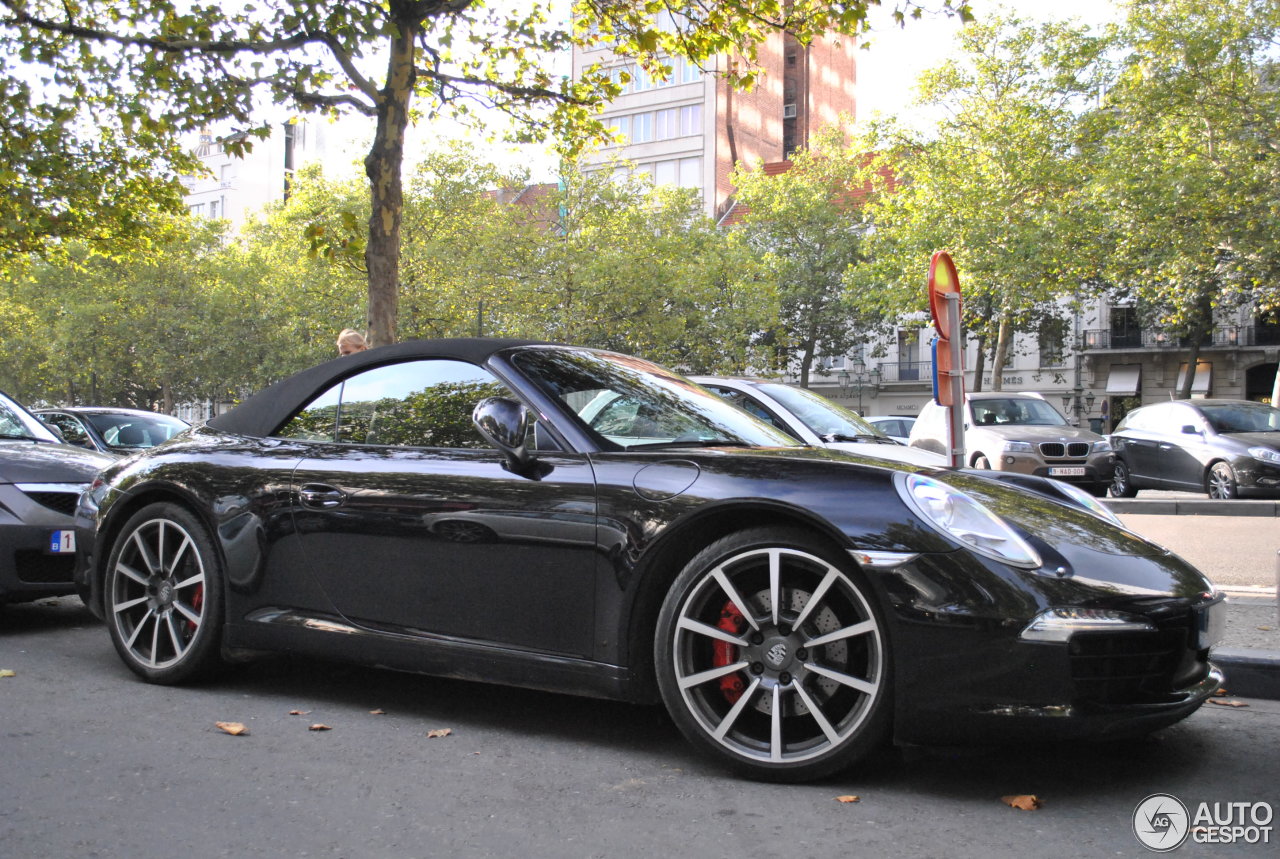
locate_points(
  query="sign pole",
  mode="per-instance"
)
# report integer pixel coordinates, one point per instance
(956, 382)
(948, 355)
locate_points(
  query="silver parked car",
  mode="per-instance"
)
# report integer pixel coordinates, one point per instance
(1021, 432)
(813, 419)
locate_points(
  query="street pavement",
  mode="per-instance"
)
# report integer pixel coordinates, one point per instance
(1237, 544)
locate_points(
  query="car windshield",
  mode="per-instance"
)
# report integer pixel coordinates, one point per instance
(628, 403)
(827, 419)
(1242, 417)
(1015, 411)
(136, 431)
(17, 423)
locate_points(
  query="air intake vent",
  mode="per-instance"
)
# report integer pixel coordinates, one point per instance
(788, 111)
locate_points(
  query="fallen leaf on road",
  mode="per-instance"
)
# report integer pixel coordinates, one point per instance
(439, 732)
(1230, 702)
(233, 728)
(319, 726)
(377, 712)
(1022, 802)
(1265, 628)
(1220, 692)
(847, 798)
(299, 712)
(8, 672)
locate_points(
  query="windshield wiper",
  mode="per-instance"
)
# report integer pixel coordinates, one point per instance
(877, 439)
(22, 437)
(688, 442)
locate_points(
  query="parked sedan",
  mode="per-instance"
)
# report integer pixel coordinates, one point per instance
(896, 427)
(40, 481)
(111, 430)
(793, 606)
(1226, 448)
(813, 419)
(1020, 432)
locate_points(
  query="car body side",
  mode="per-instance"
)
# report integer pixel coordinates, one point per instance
(583, 618)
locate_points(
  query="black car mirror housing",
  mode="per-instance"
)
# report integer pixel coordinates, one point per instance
(1189, 429)
(505, 424)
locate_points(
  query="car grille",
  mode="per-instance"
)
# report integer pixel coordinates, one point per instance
(1136, 667)
(35, 567)
(63, 502)
(1058, 450)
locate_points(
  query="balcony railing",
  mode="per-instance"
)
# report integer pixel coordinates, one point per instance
(1223, 336)
(906, 371)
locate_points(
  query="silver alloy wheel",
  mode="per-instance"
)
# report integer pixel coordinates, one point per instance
(1222, 481)
(795, 669)
(157, 595)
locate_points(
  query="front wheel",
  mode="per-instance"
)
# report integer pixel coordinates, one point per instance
(772, 657)
(162, 595)
(1222, 481)
(1121, 483)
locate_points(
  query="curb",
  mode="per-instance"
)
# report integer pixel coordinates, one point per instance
(1249, 673)
(1193, 507)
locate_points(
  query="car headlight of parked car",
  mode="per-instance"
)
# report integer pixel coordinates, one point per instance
(1101, 446)
(1265, 454)
(1018, 446)
(962, 518)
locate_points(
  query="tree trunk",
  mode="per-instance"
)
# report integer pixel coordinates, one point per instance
(980, 363)
(1002, 354)
(383, 165)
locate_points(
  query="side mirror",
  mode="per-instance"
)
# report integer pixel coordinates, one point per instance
(1188, 429)
(505, 424)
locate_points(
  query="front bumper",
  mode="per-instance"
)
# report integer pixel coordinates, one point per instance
(29, 569)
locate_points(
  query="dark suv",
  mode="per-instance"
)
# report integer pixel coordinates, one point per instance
(1224, 448)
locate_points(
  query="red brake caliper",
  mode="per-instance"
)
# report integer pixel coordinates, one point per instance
(197, 600)
(724, 653)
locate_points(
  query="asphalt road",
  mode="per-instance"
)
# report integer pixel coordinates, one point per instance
(95, 763)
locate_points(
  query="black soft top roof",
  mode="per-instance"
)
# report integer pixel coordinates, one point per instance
(266, 410)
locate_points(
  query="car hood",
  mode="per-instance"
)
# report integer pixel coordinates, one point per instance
(1033, 433)
(894, 452)
(31, 462)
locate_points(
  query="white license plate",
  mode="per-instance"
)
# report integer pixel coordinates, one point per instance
(1211, 622)
(1067, 471)
(62, 543)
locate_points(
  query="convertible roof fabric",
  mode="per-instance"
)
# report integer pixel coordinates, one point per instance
(262, 413)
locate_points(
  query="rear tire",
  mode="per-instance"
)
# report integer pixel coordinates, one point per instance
(162, 595)
(773, 658)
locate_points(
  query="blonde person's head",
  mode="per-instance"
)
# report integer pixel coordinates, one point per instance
(351, 341)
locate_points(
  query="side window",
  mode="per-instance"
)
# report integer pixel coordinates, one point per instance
(70, 428)
(413, 404)
(749, 406)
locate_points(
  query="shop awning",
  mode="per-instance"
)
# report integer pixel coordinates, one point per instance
(1124, 380)
(1200, 384)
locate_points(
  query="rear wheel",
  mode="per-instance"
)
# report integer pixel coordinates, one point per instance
(1121, 483)
(1222, 481)
(772, 657)
(163, 595)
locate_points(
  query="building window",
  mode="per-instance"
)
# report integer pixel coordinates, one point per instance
(690, 172)
(688, 72)
(690, 120)
(1052, 338)
(666, 123)
(666, 172)
(213, 209)
(642, 128)
(640, 80)
(620, 125)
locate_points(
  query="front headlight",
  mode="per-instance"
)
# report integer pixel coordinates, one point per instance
(1087, 501)
(1265, 454)
(1018, 446)
(1101, 446)
(962, 518)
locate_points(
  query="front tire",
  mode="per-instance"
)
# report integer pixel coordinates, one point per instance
(1222, 482)
(772, 657)
(162, 595)
(1121, 483)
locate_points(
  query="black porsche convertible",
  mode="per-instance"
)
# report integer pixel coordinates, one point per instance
(588, 522)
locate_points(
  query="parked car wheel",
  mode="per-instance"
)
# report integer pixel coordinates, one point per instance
(772, 657)
(1222, 481)
(1121, 484)
(163, 595)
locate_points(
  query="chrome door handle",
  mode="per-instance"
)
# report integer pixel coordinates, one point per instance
(320, 496)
